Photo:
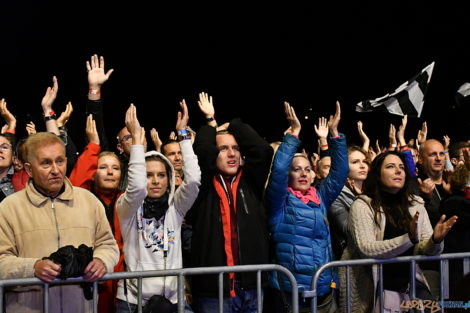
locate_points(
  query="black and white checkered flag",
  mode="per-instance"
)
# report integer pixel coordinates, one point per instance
(406, 99)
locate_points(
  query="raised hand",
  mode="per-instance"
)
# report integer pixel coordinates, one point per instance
(50, 96)
(7, 116)
(401, 131)
(133, 125)
(322, 129)
(365, 140)
(446, 142)
(392, 137)
(30, 128)
(156, 139)
(91, 132)
(182, 117)
(333, 122)
(443, 227)
(206, 105)
(65, 116)
(292, 119)
(422, 133)
(96, 74)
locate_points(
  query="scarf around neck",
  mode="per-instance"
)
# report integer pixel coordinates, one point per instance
(310, 195)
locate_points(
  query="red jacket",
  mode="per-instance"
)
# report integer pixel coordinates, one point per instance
(82, 176)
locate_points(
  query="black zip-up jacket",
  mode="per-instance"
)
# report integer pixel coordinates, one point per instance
(208, 240)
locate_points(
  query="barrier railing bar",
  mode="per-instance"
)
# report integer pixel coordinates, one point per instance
(413, 279)
(413, 259)
(221, 292)
(348, 289)
(45, 301)
(139, 295)
(159, 273)
(95, 297)
(466, 266)
(181, 294)
(381, 288)
(258, 291)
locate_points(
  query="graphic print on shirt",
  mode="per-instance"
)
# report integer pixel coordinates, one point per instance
(151, 231)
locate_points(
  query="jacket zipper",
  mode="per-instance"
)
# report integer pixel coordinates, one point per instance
(243, 200)
(58, 246)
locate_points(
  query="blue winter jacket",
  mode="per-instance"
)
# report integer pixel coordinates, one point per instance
(300, 232)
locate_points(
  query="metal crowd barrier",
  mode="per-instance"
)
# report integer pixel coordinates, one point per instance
(444, 273)
(180, 273)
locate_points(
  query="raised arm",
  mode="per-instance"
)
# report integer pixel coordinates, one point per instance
(136, 190)
(86, 165)
(187, 193)
(46, 103)
(365, 140)
(276, 190)
(392, 138)
(332, 185)
(322, 132)
(97, 77)
(9, 118)
(156, 139)
(207, 108)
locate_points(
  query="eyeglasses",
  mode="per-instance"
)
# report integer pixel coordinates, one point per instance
(125, 138)
(5, 147)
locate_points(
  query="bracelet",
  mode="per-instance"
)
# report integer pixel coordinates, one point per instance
(183, 132)
(393, 145)
(324, 146)
(404, 148)
(183, 137)
(10, 131)
(210, 119)
(446, 151)
(51, 112)
(50, 117)
(94, 91)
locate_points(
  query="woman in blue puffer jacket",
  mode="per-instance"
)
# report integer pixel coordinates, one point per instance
(298, 212)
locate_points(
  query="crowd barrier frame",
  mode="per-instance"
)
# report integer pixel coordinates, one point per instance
(443, 266)
(180, 273)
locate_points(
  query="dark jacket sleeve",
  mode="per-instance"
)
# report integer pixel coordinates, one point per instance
(206, 151)
(95, 108)
(256, 151)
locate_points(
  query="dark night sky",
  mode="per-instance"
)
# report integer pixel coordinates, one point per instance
(249, 58)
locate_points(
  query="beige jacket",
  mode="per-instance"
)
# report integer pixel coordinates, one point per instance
(366, 241)
(33, 226)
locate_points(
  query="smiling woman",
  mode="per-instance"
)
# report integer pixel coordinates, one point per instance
(388, 221)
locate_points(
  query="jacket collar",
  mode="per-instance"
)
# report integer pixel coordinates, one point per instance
(38, 198)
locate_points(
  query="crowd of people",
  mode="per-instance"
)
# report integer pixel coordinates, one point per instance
(224, 196)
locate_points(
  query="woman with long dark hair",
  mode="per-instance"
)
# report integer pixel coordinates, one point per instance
(387, 221)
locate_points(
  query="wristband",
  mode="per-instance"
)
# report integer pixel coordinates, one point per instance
(404, 148)
(51, 112)
(10, 131)
(324, 146)
(183, 137)
(182, 132)
(446, 151)
(94, 91)
(50, 117)
(210, 119)
(393, 145)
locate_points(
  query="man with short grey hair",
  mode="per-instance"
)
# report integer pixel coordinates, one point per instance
(49, 214)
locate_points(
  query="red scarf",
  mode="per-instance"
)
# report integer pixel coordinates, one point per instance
(310, 195)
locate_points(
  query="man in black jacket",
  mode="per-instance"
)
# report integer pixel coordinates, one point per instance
(228, 218)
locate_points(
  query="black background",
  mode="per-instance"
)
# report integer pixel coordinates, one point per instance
(249, 56)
